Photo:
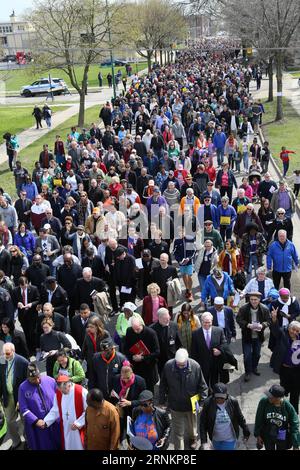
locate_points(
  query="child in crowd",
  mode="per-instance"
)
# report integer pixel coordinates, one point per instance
(296, 182)
(284, 157)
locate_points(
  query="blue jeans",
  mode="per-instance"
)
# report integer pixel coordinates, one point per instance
(246, 161)
(220, 156)
(252, 262)
(251, 353)
(201, 280)
(285, 167)
(224, 445)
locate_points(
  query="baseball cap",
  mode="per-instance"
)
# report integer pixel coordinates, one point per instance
(33, 371)
(63, 379)
(220, 390)
(145, 395)
(254, 294)
(80, 227)
(156, 189)
(276, 391)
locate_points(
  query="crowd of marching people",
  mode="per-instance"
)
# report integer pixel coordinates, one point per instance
(118, 227)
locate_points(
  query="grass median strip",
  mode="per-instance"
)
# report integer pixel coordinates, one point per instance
(15, 120)
(285, 133)
(30, 154)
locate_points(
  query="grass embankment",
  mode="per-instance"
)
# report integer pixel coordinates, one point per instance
(18, 78)
(30, 154)
(15, 120)
(285, 133)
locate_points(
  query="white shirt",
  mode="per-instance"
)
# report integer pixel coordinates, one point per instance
(221, 318)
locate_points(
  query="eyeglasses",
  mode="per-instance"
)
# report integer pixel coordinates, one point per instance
(207, 225)
(13, 251)
(280, 213)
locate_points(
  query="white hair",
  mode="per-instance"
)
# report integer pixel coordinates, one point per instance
(11, 346)
(86, 270)
(293, 324)
(206, 315)
(181, 355)
(162, 311)
(136, 321)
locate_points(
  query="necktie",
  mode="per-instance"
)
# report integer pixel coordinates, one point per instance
(207, 339)
(23, 297)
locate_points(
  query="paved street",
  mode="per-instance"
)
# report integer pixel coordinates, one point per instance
(250, 393)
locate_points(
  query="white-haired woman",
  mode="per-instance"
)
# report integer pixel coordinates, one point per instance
(261, 283)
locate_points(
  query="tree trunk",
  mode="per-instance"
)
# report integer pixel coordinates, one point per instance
(149, 55)
(279, 65)
(155, 56)
(161, 57)
(81, 108)
(271, 81)
(165, 57)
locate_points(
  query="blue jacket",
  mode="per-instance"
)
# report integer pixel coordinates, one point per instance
(219, 140)
(26, 243)
(282, 257)
(228, 212)
(184, 249)
(214, 215)
(31, 190)
(209, 289)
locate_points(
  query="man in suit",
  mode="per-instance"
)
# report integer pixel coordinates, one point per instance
(110, 261)
(206, 348)
(37, 272)
(144, 274)
(54, 223)
(85, 286)
(57, 318)
(26, 298)
(23, 206)
(79, 323)
(168, 337)
(12, 373)
(6, 304)
(67, 275)
(223, 317)
(52, 292)
(49, 247)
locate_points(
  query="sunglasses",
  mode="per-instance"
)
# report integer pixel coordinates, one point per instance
(207, 225)
(146, 405)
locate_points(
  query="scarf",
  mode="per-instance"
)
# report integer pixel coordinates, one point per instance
(4, 235)
(108, 361)
(186, 328)
(126, 386)
(232, 261)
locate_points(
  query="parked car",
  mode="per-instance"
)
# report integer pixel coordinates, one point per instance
(9, 58)
(117, 62)
(43, 85)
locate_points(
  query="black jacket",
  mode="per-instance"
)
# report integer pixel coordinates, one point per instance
(208, 418)
(148, 367)
(59, 300)
(33, 297)
(59, 323)
(88, 349)
(229, 330)
(162, 423)
(283, 343)
(125, 272)
(67, 277)
(209, 363)
(169, 342)
(20, 374)
(36, 275)
(54, 340)
(244, 317)
(78, 329)
(102, 374)
(83, 290)
(5, 258)
(138, 386)
(18, 339)
(177, 386)
(6, 304)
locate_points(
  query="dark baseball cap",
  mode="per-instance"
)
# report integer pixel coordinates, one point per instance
(145, 395)
(276, 391)
(220, 390)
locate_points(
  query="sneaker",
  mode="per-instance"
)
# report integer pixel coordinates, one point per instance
(247, 378)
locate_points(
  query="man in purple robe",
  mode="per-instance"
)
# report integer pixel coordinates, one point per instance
(36, 397)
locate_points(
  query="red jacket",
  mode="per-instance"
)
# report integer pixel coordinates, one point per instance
(284, 155)
(147, 308)
(211, 171)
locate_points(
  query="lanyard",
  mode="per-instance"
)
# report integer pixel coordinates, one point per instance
(9, 369)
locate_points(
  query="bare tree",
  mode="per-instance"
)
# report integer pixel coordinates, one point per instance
(155, 25)
(270, 26)
(68, 34)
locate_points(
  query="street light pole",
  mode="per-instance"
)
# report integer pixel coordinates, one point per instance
(111, 51)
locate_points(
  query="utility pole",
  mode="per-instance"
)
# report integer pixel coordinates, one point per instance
(111, 51)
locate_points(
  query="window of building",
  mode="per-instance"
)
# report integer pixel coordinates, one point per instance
(4, 41)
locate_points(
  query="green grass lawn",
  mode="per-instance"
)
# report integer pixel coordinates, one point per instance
(284, 133)
(295, 74)
(15, 120)
(30, 154)
(18, 78)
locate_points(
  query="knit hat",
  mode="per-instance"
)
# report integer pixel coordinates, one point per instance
(284, 291)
